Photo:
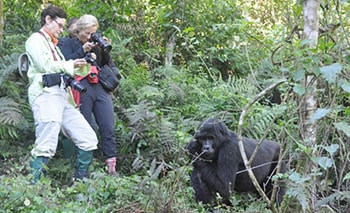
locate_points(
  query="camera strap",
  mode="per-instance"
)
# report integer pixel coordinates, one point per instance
(62, 84)
(52, 51)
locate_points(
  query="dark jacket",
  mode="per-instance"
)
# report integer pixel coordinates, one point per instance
(72, 48)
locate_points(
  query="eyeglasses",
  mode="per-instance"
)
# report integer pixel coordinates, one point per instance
(61, 26)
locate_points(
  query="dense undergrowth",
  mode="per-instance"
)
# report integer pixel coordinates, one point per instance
(224, 53)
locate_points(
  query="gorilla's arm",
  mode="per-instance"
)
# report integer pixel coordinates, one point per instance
(220, 176)
(202, 191)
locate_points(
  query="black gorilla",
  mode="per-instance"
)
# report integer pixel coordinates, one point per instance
(218, 165)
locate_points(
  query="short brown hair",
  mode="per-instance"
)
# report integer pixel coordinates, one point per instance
(53, 12)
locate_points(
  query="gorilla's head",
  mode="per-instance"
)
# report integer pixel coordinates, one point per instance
(210, 135)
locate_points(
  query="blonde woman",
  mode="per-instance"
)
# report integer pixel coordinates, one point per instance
(96, 101)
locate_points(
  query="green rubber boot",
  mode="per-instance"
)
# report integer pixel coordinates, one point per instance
(68, 148)
(38, 168)
(83, 161)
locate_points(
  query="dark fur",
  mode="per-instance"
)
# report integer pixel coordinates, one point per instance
(215, 170)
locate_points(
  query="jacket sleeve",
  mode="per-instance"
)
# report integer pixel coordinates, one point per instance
(71, 48)
(41, 58)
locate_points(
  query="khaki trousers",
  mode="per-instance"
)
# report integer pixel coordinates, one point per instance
(53, 113)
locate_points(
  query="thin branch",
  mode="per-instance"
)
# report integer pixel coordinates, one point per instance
(241, 147)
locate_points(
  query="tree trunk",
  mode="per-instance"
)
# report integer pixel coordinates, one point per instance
(309, 130)
(170, 50)
(1, 22)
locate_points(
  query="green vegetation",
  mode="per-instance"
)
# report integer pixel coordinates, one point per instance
(184, 61)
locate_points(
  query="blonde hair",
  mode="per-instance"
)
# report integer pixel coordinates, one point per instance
(85, 21)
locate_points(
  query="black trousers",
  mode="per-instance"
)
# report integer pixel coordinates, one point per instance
(98, 102)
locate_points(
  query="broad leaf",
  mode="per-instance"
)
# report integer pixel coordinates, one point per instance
(299, 75)
(316, 70)
(320, 113)
(347, 177)
(330, 72)
(344, 127)
(331, 149)
(324, 162)
(298, 89)
(345, 85)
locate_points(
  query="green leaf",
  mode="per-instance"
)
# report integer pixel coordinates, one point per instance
(305, 42)
(330, 72)
(299, 75)
(284, 69)
(298, 89)
(344, 127)
(297, 178)
(347, 177)
(320, 113)
(324, 162)
(303, 148)
(345, 85)
(316, 70)
(331, 149)
(189, 29)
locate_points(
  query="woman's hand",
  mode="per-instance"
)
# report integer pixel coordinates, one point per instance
(93, 56)
(109, 41)
(87, 47)
(79, 63)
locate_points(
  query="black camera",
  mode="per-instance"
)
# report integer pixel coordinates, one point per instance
(88, 58)
(74, 83)
(97, 37)
(54, 79)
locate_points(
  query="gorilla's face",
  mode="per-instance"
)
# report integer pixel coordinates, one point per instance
(207, 143)
(210, 136)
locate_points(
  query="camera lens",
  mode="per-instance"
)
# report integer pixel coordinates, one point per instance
(74, 83)
(77, 86)
(97, 37)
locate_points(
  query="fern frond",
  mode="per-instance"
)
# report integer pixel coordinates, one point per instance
(241, 86)
(175, 94)
(8, 65)
(150, 93)
(166, 137)
(140, 118)
(266, 66)
(260, 122)
(10, 113)
(8, 131)
(262, 119)
(140, 112)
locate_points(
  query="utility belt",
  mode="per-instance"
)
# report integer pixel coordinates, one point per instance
(54, 79)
